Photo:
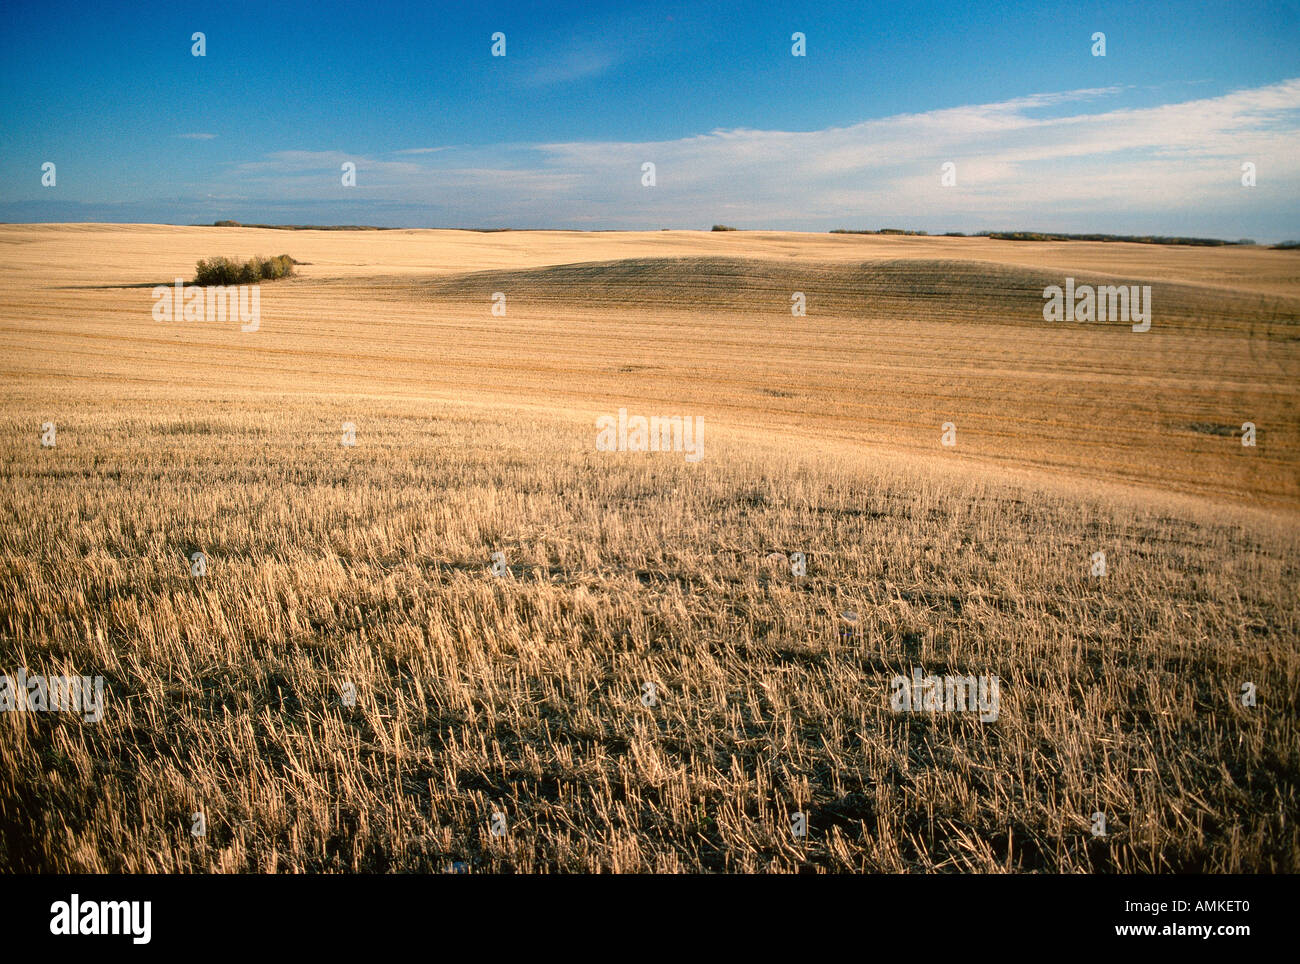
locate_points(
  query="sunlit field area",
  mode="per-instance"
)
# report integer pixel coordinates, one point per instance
(367, 593)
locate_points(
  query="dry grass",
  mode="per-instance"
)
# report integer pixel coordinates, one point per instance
(475, 434)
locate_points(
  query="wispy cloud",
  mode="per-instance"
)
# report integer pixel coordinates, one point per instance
(197, 137)
(1051, 158)
(577, 60)
(604, 43)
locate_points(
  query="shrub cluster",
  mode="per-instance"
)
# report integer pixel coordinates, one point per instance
(227, 271)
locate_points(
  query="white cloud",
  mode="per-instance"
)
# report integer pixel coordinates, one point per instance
(1051, 159)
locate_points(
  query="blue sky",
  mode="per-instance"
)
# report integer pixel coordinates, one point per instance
(1043, 135)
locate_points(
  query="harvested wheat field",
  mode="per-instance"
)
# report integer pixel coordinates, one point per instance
(675, 663)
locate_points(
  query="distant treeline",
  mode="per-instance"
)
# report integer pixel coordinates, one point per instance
(301, 227)
(950, 234)
(1133, 238)
(1053, 236)
(336, 227)
(996, 235)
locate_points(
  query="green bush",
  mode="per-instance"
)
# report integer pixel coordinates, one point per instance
(281, 266)
(227, 271)
(216, 271)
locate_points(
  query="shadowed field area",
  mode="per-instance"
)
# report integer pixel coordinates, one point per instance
(369, 567)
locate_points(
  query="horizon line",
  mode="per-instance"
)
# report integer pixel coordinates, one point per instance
(991, 234)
